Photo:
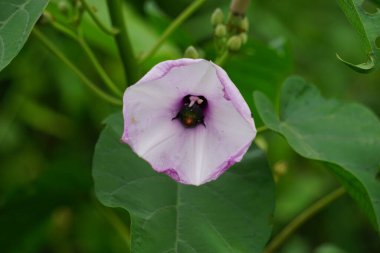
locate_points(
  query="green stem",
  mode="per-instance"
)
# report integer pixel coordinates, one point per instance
(83, 77)
(262, 129)
(172, 27)
(64, 30)
(103, 74)
(80, 39)
(123, 43)
(302, 218)
(101, 25)
(222, 59)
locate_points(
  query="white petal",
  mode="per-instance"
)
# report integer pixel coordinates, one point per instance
(196, 155)
(162, 68)
(201, 154)
(229, 135)
(147, 104)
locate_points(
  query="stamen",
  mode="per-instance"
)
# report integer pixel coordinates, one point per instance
(192, 111)
(193, 99)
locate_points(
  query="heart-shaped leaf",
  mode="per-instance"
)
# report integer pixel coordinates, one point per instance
(17, 18)
(232, 214)
(368, 27)
(346, 136)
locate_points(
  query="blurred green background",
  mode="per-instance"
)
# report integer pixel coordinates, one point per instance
(49, 122)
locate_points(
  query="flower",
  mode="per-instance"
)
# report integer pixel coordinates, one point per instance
(188, 120)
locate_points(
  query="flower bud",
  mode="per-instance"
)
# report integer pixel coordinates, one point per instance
(239, 7)
(79, 6)
(217, 17)
(191, 52)
(220, 30)
(243, 37)
(234, 43)
(46, 18)
(244, 24)
(280, 168)
(63, 7)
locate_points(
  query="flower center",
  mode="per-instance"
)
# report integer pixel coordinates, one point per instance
(192, 111)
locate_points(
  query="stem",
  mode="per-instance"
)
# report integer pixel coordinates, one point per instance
(103, 74)
(64, 30)
(83, 77)
(123, 43)
(302, 218)
(80, 39)
(222, 59)
(262, 129)
(101, 25)
(172, 27)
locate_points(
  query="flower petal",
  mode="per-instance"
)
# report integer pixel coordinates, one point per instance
(189, 155)
(162, 68)
(232, 93)
(229, 136)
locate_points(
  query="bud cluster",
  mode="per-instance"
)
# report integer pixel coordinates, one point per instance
(71, 9)
(229, 34)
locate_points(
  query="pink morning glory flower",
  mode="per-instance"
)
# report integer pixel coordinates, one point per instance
(188, 120)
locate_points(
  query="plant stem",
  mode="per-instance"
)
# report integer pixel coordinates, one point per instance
(64, 30)
(101, 25)
(172, 27)
(222, 59)
(302, 218)
(123, 43)
(262, 129)
(83, 77)
(82, 42)
(103, 74)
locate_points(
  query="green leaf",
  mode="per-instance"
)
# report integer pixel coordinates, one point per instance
(260, 67)
(346, 136)
(17, 18)
(231, 214)
(368, 27)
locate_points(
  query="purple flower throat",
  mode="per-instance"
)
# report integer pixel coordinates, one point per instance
(192, 111)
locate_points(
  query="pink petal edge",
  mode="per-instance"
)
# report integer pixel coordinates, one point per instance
(231, 93)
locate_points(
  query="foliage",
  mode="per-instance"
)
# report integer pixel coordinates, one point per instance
(17, 19)
(326, 130)
(367, 25)
(191, 216)
(50, 123)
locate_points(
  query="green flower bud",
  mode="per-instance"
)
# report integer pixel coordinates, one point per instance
(217, 17)
(63, 7)
(234, 43)
(46, 18)
(243, 37)
(244, 24)
(79, 6)
(191, 52)
(220, 30)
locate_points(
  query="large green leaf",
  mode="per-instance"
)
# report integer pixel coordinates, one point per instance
(346, 136)
(368, 27)
(231, 214)
(17, 18)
